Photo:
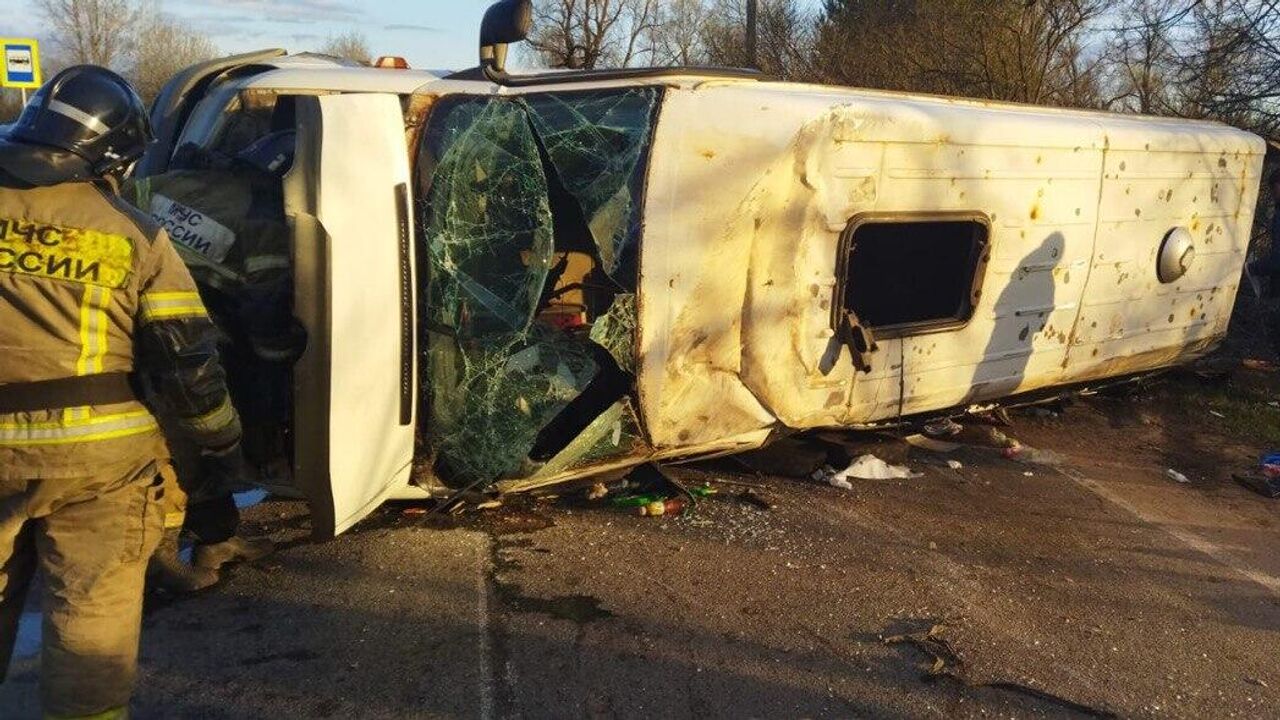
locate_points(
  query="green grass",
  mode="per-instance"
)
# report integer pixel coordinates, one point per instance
(1246, 414)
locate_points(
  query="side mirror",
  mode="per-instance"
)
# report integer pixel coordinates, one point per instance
(504, 22)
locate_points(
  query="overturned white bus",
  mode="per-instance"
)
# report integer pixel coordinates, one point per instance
(529, 279)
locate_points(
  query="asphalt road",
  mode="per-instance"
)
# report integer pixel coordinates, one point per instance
(1102, 588)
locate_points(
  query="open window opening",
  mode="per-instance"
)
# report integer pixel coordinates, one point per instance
(529, 230)
(909, 275)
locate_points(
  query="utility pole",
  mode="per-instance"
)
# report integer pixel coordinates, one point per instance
(753, 34)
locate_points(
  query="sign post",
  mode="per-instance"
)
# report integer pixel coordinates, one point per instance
(21, 66)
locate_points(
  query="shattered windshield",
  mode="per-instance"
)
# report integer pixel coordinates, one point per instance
(529, 214)
(595, 141)
(489, 227)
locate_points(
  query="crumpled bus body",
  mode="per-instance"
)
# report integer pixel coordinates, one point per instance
(521, 286)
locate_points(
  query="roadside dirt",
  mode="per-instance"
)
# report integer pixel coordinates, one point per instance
(1097, 588)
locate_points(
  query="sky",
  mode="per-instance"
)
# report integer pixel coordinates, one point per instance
(429, 33)
(435, 34)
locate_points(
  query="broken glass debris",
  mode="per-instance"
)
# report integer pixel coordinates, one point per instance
(614, 435)
(615, 331)
(595, 141)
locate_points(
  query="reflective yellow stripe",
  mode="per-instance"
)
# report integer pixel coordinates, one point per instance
(102, 427)
(93, 339)
(116, 714)
(212, 421)
(170, 305)
(161, 297)
(196, 311)
(258, 263)
(93, 330)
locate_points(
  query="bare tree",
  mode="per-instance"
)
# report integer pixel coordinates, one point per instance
(679, 33)
(1230, 70)
(586, 34)
(163, 47)
(1217, 59)
(1141, 57)
(351, 45)
(100, 32)
(1033, 51)
(785, 48)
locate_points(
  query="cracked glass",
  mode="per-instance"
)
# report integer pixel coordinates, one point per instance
(497, 368)
(615, 331)
(488, 235)
(595, 141)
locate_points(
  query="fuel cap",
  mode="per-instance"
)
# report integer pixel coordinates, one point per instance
(1177, 252)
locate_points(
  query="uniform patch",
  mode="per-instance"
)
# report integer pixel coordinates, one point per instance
(192, 229)
(84, 256)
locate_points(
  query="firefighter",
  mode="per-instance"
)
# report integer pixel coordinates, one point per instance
(226, 219)
(92, 298)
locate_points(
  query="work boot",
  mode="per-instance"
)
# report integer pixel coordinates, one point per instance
(166, 570)
(238, 549)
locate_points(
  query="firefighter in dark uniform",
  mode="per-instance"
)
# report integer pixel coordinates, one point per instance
(225, 217)
(93, 298)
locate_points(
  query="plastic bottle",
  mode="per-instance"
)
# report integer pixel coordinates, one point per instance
(674, 506)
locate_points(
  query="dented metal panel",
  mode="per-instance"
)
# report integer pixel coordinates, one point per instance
(1127, 312)
(752, 185)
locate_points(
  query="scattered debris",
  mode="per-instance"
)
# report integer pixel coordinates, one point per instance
(1266, 481)
(673, 506)
(1271, 465)
(634, 501)
(998, 416)
(925, 442)
(1175, 475)
(1257, 681)
(490, 505)
(703, 490)
(866, 467)
(597, 491)
(954, 464)
(737, 483)
(1264, 486)
(415, 511)
(931, 643)
(943, 428)
(1028, 474)
(980, 436)
(1259, 364)
(1033, 456)
(1217, 414)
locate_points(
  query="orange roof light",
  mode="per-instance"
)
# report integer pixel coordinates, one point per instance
(391, 62)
